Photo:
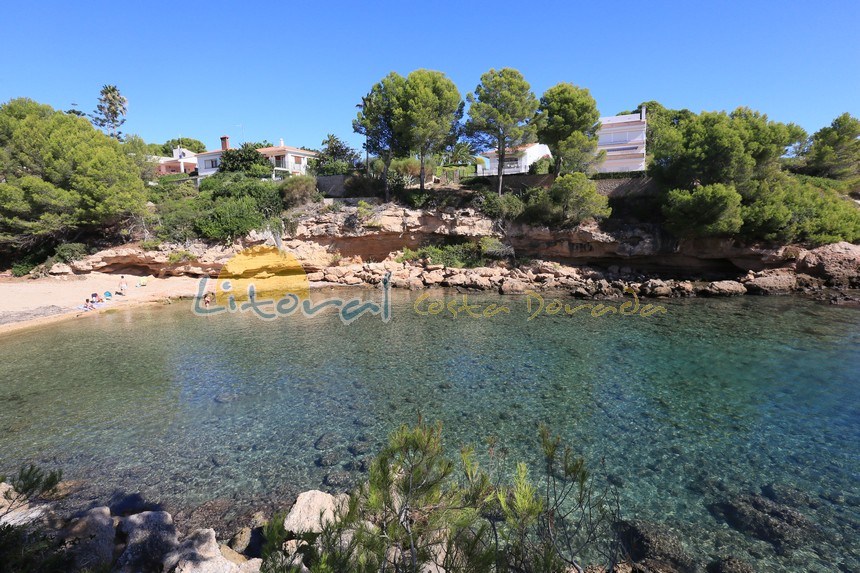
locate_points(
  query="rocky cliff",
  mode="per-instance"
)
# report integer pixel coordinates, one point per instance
(325, 238)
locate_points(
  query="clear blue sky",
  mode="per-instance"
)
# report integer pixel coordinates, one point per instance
(295, 70)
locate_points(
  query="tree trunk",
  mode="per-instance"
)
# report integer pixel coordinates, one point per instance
(385, 179)
(556, 164)
(421, 184)
(501, 169)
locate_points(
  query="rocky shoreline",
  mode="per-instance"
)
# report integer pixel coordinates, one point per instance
(339, 248)
(131, 534)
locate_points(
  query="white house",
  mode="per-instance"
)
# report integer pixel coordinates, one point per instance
(288, 160)
(209, 161)
(183, 161)
(621, 136)
(284, 159)
(517, 160)
(623, 139)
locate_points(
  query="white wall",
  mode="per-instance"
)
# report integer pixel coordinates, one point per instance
(204, 161)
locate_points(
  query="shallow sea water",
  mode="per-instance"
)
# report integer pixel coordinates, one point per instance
(745, 391)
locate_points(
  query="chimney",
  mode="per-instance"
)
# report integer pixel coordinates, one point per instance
(282, 142)
(642, 113)
(225, 142)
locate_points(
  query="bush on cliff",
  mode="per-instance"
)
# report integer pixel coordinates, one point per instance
(706, 211)
(298, 190)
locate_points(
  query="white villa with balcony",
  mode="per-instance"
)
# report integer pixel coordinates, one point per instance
(288, 160)
(622, 137)
(285, 160)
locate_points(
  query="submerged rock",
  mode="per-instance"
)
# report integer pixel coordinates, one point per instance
(653, 547)
(128, 504)
(325, 441)
(755, 515)
(730, 565)
(328, 459)
(338, 479)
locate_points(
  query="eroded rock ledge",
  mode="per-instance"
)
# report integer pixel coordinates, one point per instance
(337, 244)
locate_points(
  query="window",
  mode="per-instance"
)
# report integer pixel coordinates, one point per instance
(211, 164)
(297, 160)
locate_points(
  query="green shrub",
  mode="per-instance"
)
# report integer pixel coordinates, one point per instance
(462, 255)
(231, 218)
(298, 190)
(540, 208)
(150, 245)
(364, 186)
(178, 257)
(418, 506)
(541, 167)
(365, 211)
(506, 207)
(578, 199)
(414, 198)
(493, 248)
(68, 252)
(180, 218)
(710, 210)
(23, 267)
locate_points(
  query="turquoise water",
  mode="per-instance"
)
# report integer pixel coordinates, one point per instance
(747, 391)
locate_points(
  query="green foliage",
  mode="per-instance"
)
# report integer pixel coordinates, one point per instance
(364, 186)
(578, 154)
(298, 190)
(266, 194)
(461, 255)
(60, 176)
(138, 151)
(507, 207)
(150, 245)
(429, 114)
(110, 111)
(420, 510)
(68, 252)
(364, 211)
(578, 198)
(834, 150)
(231, 218)
(166, 148)
(179, 257)
(712, 210)
(501, 112)
(541, 167)
(378, 122)
(335, 158)
(23, 267)
(245, 159)
(567, 119)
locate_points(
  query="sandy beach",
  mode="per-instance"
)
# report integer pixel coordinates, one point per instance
(25, 302)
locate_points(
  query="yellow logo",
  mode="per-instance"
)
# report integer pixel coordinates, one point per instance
(265, 271)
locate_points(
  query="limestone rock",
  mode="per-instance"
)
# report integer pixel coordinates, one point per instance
(90, 539)
(312, 508)
(776, 281)
(838, 264)
(60, 269)
(513, 286)
(150, 536)
(199, 553)
(724, 288)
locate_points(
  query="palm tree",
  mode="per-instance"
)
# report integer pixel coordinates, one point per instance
(461, 154)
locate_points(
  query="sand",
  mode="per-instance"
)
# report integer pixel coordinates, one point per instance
(26, 302)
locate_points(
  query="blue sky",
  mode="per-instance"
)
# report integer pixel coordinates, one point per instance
(296, 70)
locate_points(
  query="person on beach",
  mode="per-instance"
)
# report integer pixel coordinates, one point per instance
(89, 305)
(207, 299)
(122, 285)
